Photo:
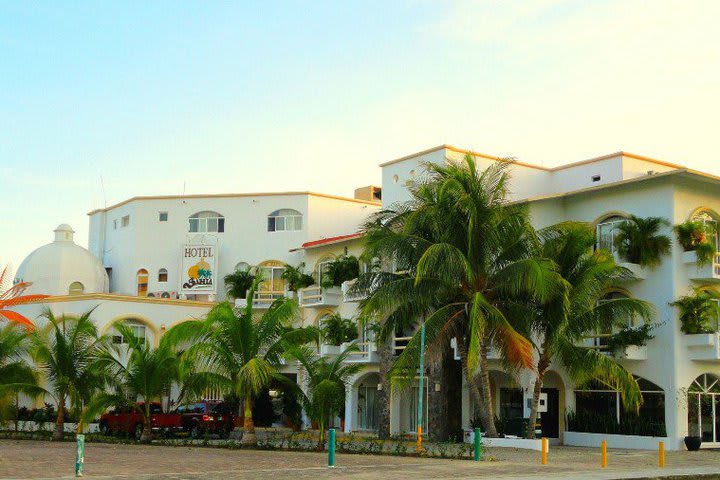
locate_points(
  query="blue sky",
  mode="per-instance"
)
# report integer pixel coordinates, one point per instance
(259, 96)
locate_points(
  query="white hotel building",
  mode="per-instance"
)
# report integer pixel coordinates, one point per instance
(136, 250)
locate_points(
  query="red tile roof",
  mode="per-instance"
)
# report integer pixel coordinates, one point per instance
(329, 240)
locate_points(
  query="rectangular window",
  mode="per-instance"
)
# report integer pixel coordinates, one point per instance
(163, 276)
(194, 225)
(115, 224)
(271, 224)
(221, 225)
(163, 216)
(125, 221)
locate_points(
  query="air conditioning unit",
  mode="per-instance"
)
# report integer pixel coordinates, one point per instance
(162, 294)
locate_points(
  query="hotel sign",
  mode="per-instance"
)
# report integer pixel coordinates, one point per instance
(198, 269)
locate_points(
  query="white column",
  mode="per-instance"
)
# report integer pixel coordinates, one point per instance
(351, 401)
(394, 413)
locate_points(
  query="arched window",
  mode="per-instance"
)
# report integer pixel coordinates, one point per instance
(711, 223)
(142, 282)
(703, 411)
(242, 267)
(76, 288)
(605, 232)
(162, 275)
(138, 329)
(284, 220)
(271, 274)
(207, 221)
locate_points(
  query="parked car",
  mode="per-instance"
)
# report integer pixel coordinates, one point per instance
(128, 420)
(206, 417)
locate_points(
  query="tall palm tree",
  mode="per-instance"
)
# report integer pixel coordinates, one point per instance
(16, 373)
(239, 352)
(464, 253)
(136, 371)
(562, 322)
(327, 380)
(66, 353)
(12, 297)
(638, 240)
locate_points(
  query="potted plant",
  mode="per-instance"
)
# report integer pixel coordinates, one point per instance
(698, 312)
(692, 443)
(630, 336)
(638, 240)
(336, 330)
(696, 236)
(296, 278)
(340, 270)
(238, 283)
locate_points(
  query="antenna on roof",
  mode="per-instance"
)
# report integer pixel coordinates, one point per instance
(183, 192)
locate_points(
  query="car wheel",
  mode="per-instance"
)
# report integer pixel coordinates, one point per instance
(195, 432)
(138, 431)
(104, 430)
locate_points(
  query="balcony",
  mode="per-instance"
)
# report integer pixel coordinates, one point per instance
(329, 350)
(366, 353)
(703, 346)
(348, 294)
(639, 272)
(704, 273)
(317, 296)
(631, 352)
(263, 299)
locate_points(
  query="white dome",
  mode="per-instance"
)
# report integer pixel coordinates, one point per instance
(56, 267)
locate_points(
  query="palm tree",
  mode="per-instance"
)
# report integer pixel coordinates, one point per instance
(15, 371)
(238, 283)
(13, 297)
(65, 353)
(561, 323)
(327, 380)
(136, 371)
(464, 253)
(239, 352)
(699, 311)
(638, 240)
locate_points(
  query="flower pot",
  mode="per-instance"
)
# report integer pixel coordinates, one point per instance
(693, 443)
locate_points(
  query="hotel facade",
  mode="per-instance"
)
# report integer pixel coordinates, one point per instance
(153, 262)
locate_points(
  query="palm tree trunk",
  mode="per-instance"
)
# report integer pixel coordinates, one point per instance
(385, 356)
(59, 420)
(146, 436)
(543, 365)
(249, 437)
(487, 416)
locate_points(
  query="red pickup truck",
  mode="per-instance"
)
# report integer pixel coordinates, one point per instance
(128, 420)
(206, 417)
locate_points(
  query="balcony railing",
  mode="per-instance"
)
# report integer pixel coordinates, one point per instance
(317, 296)
(631, 352)
(707, 272)
(263, 299)
(366, 353)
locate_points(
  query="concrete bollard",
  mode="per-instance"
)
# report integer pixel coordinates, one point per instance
(331, 448)
(603, 454)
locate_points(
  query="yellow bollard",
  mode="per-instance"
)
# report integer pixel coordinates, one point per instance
(418, 443)
(543, 450)
(603, 454)
(661, 454)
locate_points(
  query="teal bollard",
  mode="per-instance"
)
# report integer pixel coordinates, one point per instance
(478, 444)
(80, 455)
(331, 448)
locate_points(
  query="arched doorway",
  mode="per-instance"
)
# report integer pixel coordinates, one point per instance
(704, 408)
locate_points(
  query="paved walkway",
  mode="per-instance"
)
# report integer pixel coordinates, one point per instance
(22, 459)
